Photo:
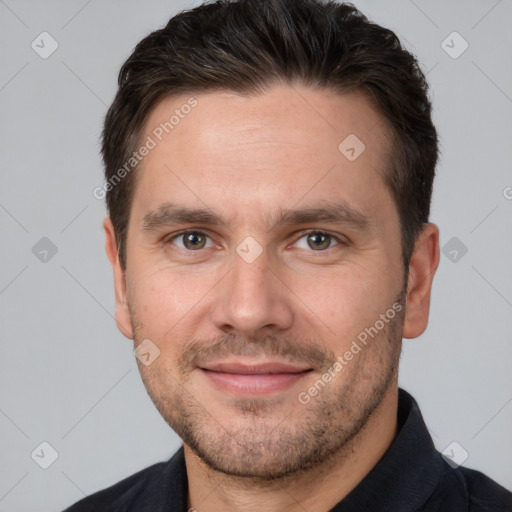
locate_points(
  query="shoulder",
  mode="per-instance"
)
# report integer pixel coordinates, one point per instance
(468, 490)
(485, 494)
(121, 495)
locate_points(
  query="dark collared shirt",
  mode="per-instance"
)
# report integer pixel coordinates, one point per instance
(412, 476)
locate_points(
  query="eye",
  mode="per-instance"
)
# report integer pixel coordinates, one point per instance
(191, 240)
(318, 241)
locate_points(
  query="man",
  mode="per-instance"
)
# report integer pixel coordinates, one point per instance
(269, 169)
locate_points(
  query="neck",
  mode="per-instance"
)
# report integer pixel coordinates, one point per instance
(316, 490)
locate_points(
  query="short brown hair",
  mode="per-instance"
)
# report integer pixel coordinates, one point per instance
(245, 46)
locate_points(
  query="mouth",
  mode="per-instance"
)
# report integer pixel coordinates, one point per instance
(244, 379)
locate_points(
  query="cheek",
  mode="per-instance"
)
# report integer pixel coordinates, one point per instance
(163, 299)
(346, 301)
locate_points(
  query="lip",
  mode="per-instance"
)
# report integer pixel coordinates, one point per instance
(237, 367)
(253, 379)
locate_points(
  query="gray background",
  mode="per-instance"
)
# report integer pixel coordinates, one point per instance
(68, 377)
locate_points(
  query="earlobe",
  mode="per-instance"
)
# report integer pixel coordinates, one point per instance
(422, 268)
(122, 314)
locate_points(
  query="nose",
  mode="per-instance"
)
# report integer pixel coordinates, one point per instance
(252, 300)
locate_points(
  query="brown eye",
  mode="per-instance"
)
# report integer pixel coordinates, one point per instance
(191, 241)
(319, 241)
(194, 241)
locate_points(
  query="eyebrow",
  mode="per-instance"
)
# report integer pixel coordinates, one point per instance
(340, 212)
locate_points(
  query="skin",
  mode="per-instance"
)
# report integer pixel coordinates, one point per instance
(248, 158)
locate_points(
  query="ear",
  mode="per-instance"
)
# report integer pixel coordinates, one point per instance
(122, 312)
(422, 267)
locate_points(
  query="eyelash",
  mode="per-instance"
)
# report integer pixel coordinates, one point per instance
(338, 239)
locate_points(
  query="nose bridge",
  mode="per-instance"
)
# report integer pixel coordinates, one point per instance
(250, 279)
(251, 298)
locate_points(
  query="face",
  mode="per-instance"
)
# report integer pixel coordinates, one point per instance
(264, 264)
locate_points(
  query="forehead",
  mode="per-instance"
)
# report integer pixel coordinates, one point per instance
(258, 153)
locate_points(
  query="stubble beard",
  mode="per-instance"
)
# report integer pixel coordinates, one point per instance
(266, 443)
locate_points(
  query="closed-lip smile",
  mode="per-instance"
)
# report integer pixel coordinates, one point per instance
(242, 378)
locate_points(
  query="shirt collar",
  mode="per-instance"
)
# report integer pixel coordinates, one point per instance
(407, 473)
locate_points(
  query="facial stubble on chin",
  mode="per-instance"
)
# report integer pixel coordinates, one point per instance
(263, 440)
